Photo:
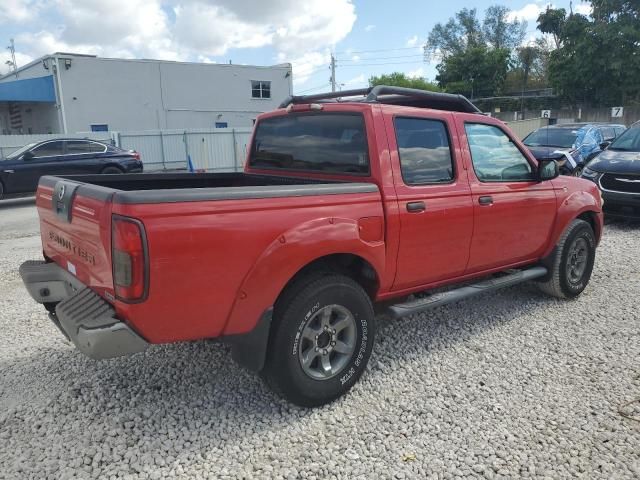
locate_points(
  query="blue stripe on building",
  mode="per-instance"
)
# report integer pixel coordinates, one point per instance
(40, 89)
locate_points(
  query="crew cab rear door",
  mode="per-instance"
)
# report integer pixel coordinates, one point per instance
(434, 198)
(513, 212)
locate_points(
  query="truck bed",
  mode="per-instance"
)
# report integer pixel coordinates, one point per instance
(206, 235)
(185, 187)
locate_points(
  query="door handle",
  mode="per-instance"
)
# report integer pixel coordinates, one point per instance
(9, 171)
(485, 200)
(416, 207)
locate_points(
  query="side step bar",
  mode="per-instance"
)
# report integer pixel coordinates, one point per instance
(439, 299)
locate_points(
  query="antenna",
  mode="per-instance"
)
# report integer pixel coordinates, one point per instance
(12, 63)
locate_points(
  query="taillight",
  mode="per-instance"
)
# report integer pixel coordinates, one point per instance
(129, 259)
(136, 155)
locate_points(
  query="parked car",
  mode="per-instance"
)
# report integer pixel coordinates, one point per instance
(616, 171)
(342, 204)
(579, 143)
(21, 170)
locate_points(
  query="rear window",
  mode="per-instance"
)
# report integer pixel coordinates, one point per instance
(321, 142)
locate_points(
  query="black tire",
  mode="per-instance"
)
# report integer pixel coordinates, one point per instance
(310, 297)
(112, 171)
(565, 280)
(1, 190)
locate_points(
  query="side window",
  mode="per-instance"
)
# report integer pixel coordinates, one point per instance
(423, 147)
(76, 147)
(48, 149)
(608, 133)
(495, 158)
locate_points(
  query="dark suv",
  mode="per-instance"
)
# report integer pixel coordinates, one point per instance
(616, 171)
(21, 170)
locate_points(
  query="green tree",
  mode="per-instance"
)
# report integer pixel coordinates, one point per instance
(475, 57)
(499, 31)
(596, 60)
(478, 71)
(552, 21)
(399, 79)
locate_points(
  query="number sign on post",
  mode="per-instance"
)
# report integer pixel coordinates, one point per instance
(617, 112)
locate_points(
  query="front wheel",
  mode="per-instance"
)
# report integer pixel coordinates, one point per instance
(322, 338)
(1, 190)
(571, 262)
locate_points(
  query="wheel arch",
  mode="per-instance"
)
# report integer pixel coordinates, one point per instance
(111, 165)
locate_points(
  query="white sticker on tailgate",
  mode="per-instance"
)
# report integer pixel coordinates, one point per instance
(71, 267)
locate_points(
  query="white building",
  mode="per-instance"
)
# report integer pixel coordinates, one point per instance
(68, 93)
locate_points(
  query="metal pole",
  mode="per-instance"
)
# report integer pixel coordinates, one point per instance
(235, 150)
(186, 147)
(333, 73)
(164, 165)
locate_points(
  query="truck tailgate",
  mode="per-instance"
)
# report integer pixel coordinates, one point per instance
(75, 225)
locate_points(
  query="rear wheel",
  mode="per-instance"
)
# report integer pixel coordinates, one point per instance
(1, 190)
(112, 171)
(321, 339)
(571, 262)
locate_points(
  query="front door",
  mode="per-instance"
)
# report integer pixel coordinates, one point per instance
(513, 213)
(45, 161)
(434, 198)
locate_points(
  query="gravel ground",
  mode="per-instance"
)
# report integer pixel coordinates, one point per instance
(514, 384)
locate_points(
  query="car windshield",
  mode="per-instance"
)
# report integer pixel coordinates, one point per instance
(629, 141)
(20, 151)
(552, 137)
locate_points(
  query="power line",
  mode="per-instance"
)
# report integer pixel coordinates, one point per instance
(378, 64)
(350, 52)
(384, 58)
(314, 88)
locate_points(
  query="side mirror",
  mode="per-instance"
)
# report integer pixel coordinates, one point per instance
(604, 145)
(28, 155)
(548, 169)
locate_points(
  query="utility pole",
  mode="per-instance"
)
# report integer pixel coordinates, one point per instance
(12, 63)
(333, 73)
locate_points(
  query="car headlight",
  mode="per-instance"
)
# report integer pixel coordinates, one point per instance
(590, 174)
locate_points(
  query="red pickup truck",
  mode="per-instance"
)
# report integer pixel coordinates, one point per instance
(347, 200)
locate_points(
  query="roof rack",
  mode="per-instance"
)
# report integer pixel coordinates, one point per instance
(408, 97)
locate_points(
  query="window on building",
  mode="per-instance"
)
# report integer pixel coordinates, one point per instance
(48, 149)
(260, 89)
(494, 156)
(222, 125)
(99, 127)
(423, 146)
(76, 147)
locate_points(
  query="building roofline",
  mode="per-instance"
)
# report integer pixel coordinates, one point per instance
(140, 60)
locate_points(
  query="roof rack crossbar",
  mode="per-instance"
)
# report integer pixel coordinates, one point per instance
(294, 99)
(394, 96)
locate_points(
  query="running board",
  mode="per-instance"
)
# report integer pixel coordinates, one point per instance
(439, 299)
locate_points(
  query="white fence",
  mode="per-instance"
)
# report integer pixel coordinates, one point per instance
(221, 149)
(212, 150)
(522, 128)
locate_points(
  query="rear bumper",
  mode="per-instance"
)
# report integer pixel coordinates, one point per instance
(83, 316)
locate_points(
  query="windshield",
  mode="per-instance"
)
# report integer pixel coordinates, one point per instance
(20, 151)
(552, 137)
(629, 141)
